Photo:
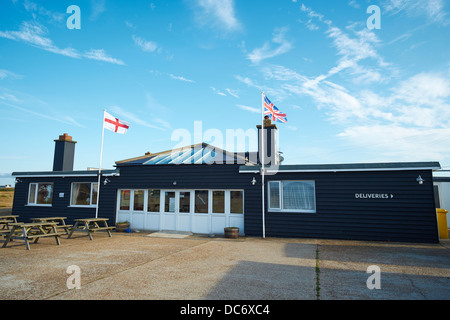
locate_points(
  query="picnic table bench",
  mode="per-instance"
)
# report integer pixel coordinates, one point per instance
(60, 222)
(32, 231)
(90, 226)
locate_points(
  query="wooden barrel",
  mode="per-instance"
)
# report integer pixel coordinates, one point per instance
(122, 227)
(232, 233)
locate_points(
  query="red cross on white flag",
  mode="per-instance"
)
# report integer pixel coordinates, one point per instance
(114, 124)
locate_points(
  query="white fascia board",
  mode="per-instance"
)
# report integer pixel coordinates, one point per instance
(338, 170)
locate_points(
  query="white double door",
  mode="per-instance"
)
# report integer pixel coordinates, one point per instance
(179, 210)
(177, 213)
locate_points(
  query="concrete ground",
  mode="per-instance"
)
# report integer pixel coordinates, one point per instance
(174, 267)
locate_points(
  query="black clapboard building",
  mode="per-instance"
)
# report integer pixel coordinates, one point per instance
(203, 189)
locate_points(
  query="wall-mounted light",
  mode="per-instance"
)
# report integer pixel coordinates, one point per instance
(18, 180)
(420, 180)
(106, 181)
(253, 181)
(174, 183)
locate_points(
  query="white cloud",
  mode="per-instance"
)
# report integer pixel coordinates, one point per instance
(247, 108)
(265, 52)
(218, 92)
(391, 141)
(97, 8)
(132, 118)
(9, 98)
(8, 74)
(101, 55)
(220, 13)
(172, 76)
(147, 46)
(35, 34)
(357, 51)
(180, 78)
(36, 9)
(48, 114)
(434, 10)
(353, 4)
(232, 93)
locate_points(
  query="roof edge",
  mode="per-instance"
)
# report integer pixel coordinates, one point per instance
(391, 166)
(83, 173)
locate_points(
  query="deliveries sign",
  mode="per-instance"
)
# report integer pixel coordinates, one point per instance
(373, 196)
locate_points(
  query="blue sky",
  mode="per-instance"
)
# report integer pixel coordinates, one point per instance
(351, 94)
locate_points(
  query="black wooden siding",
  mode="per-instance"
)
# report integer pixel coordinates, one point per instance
(60, 206)
(410, 216)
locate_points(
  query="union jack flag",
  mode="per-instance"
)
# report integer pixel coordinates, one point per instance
(273, 112)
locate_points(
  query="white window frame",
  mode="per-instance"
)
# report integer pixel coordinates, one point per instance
(280, 209)
(36, 194)
(79, 205)
(279, 195)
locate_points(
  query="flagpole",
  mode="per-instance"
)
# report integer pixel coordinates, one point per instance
(100, 165)
(262, 164)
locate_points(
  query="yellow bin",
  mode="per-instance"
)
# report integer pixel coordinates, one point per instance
(442, 223)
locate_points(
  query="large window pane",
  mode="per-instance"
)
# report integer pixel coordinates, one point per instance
(298, 195)
(32, 195)
(169, 202)
(219, 201)
(84, 194)
(201, 201)
(274, 195)
(138, 204)
(185, 202)
(81, 194)
(45, 193)
(237, 201)
(125, 199)
(153, 200)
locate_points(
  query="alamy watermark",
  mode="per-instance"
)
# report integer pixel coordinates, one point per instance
(374, 21)
(74, 20)
(74, 280)
(374, 281)
(225, 147)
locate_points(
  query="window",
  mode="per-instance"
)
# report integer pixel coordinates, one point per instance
(236, 201)
(84, 194)
(218, 201)
(274, 195)
(169, 203)
(201, 201)
(185, 202)
(292, 196)
(125, 199)
(138, 204)
(153, 200)
(40, 194)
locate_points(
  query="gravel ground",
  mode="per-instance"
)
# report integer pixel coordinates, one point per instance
(141, 267)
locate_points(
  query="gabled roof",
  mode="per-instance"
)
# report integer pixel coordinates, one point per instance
(201, 153)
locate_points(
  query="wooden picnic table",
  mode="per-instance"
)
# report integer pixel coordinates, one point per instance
(6, 220)
(32, 231)
(60, 222)
(90, 226)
